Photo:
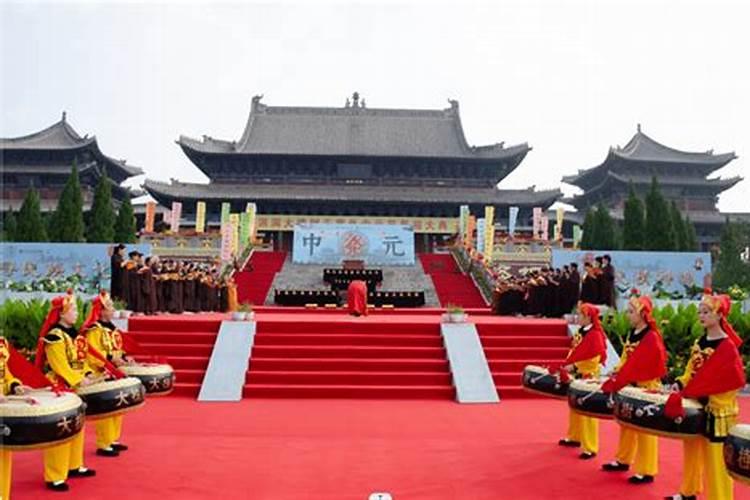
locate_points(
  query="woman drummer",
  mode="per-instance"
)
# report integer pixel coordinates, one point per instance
(61, 353)
(714, 375)
(643, 362)
(104, 340)
(587, 354)
(8, 385)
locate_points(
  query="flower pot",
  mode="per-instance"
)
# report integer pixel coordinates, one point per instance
(125, 314)
(116, 314)
(250, 316)
(238, 316)
(457, 317)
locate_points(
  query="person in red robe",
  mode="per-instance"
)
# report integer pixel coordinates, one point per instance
(357, 298)
(643, 363)
(714, 375)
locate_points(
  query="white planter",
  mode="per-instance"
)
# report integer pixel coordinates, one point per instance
(250, 316)
(454, 317)
(125, 314)
(116, 314)
(238, 316)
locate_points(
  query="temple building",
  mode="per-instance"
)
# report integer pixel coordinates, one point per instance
(351, 164)
(43, 160)
(682, 177)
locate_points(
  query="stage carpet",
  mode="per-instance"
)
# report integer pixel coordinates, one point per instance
(346, 449)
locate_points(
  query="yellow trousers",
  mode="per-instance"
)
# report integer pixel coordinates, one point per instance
(700, 456)
(641, 448)
(60, 459)
(6, 461)
(584, 430)
(108, 431)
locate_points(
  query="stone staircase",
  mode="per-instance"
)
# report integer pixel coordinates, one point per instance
(310, 277)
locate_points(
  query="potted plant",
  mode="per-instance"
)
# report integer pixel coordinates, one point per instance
(244, 312)
(121, 310)
(454, 313)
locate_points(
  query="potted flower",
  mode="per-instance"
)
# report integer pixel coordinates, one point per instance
(454, 313)
(244, 312)
(121, 309)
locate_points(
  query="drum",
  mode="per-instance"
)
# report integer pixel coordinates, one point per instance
(112, 397)
(737, 453)
(585, 396)
(39, 419)
(157, 379)
(644, 411)
(539, 380)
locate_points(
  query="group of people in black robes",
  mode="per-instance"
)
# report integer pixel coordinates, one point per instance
(151, 286)
(553, 292)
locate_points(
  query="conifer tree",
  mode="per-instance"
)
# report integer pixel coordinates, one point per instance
(30, 226)
(633, 223)
(101, 224)
(125, 224)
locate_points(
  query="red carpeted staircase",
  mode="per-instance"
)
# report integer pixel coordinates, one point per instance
(348, 359)
(510, 346)
(186, 342)
(254, 282)
(451, 285)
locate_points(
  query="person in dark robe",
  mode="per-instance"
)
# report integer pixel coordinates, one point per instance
(608, 281)
(134, 295)
(147, 288)
(598, 264)
(575, 287)
(175, 303)
(116, 262)
(589, 285)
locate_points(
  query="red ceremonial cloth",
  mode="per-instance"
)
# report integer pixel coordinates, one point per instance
(357, 298)
(27, 373)
(594, 344)
(647, 362)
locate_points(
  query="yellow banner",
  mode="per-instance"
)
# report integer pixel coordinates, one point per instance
(489, 231)
(234, 221)
(560, 214)
(421, 225)
(252, 210)
(200, 217)
(470, 228)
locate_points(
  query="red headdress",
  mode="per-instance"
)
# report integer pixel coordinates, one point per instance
(101, 301)
(58, 306)
(593, 344)
(722, 305)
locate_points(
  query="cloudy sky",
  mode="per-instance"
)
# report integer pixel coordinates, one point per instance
(572, 78)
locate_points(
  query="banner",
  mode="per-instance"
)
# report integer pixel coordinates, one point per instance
(558, 227)
(577, 235)
(174, 225)
(544, 223)
(225, 211)
(252, 211)
(512, 218)
(226, 242)
(200, 217)
(537, 221)
(471, 227)
(463, 221)
(150, 217)
(489, 231)
(480, 236)
(375, 244)
(244, 230)
(556, 232)
(435, 225)
(234, 221)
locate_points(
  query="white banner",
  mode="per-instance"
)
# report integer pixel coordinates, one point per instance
(512, 218)
(176, 214)
(480, 235)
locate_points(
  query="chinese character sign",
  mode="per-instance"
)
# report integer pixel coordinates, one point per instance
(537, 221)
(252, 212)
(176, 214)
(480, 235)
(489, 231)
(376, 244)
(512, 218)
(226, 242)
(234, 221)
(200, 217)
(150, 216)
(544, 227)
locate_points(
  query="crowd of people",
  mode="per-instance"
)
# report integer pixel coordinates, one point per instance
(552, 292)
(149, 285)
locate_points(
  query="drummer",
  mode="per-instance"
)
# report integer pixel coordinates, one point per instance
(587, 354)
(714, 375)
(643, 362)
(8, 385)
(103, 339)
(62, 354)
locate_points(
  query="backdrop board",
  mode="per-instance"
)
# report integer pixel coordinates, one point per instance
(375, 244)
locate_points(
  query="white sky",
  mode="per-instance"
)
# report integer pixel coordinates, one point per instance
(570, 78)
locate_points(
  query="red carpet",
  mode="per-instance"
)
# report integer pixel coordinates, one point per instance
(253, 283)
(306, 355)
(341, 450)
(451, 285)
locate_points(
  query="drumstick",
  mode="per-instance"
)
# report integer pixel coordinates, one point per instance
(25, 399)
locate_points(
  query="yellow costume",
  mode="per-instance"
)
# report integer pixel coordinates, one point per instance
(8, 384)
(636, 446)
(66, 360)
(106, 340)
(705, 453)
(582, 428)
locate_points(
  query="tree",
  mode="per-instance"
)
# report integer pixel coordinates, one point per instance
(67, 222)
(692, 238)
(633, 223)
(101, 227)
(730, 269)
(680, 231)
(605, 233)
(9, 226)
(589, 231)
(125, 223)
(659, 233)
(30, 226)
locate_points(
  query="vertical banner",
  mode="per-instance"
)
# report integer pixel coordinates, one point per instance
(512, 219)
(200, 217)
(463, 221)
(480, 235)
(226, 242)
(470, 226)
(252, 212)
(244, 230)
(558, 227)
(176, 214)
(489, 232)
(556, 232)
(544, 223)
(150, 216)
(577, 235)
(537, 222)
(225, 210)
(234, 222)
